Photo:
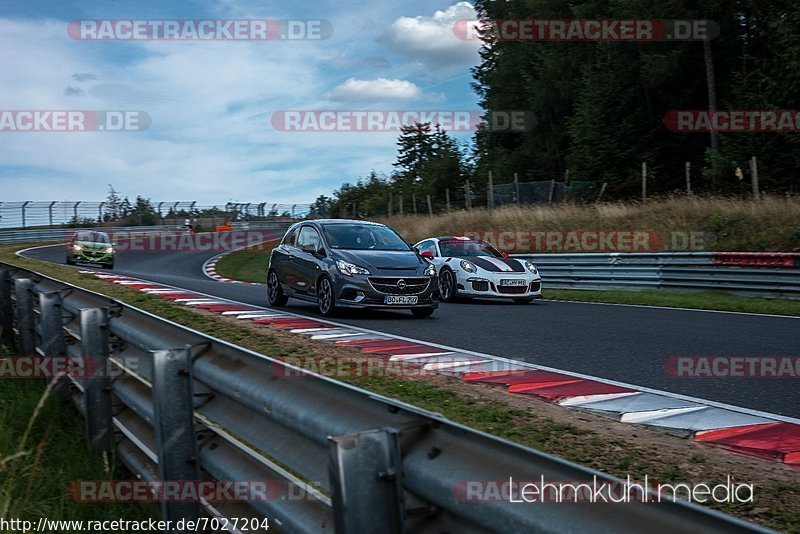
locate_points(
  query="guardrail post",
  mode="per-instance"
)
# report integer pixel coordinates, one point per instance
(174, 424)
(366, 479)
(23, 290)
(6, 308)
(97, 387)
(50, 320)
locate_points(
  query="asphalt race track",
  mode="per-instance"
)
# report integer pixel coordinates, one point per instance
(623, 343)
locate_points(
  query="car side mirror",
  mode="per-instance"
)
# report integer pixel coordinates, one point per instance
(311, 249)
(428, 255)
(505, 254)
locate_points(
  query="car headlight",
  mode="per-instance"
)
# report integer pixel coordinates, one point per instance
(110, 250)
(430, 270)
(469, 267)
(77, 247)
(349, 269)
(531, 267)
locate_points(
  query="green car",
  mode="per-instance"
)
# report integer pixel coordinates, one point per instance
(89, 246)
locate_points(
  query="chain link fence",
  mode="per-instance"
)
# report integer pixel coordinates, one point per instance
(51, 214)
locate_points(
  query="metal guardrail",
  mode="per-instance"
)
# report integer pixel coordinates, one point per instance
(63, 234)
(686, 270)
(186, 406)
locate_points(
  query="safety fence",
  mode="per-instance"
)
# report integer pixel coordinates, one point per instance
(50, 214)
(184, 406)
(768, 275)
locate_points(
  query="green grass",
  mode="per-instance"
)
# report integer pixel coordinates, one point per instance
(250, 266)
(42, 450)
(245, 265)
(704, 300)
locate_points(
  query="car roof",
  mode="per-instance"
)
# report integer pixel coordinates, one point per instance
(321, 222)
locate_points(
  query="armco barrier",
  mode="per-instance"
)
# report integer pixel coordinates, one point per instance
(63, 234)
(185, 405)
(689, 270)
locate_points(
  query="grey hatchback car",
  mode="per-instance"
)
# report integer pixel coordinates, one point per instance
(341, 263)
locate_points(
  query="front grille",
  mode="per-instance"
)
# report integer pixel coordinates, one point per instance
(413, 286)
(480, 285)
(512, 290)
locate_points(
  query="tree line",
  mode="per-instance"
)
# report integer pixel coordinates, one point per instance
(600, 107)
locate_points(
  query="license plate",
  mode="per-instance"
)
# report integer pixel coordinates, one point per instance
(517, 282)
(392, 299)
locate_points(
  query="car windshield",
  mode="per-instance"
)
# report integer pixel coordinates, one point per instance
(92, 237)
(467, 247)
(363, 237)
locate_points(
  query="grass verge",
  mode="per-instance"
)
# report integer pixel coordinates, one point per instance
(42, 450)
(581, 437)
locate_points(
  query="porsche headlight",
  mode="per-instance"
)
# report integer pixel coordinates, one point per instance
(469, 267)
(430, 270)
(349, 269)
(531, 267)
(110, 250)
(77, 247)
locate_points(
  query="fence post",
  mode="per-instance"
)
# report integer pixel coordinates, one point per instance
(50, 322)
(516, 189)
(447, 192)
(97, 387)
(688, 178)
(430, 207)
(490, 191)
(50, 213)
(23, 290)
(553, 191)
(754, 179)
(602, 190)
(644, 181)
(414, 202)
(400, 204)
(366, 481)
(174, 424)
(75, 211)
(24, 205)
(6, 308)
(566, 177)
(355, 210)
(389, 210)
(467, 196)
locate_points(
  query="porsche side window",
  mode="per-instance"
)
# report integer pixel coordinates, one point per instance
(427, 246)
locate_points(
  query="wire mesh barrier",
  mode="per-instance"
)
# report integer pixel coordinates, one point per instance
(543, 192)
(179, 406)
(51, 214)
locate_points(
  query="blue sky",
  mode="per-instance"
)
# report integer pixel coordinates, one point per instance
(211, 138)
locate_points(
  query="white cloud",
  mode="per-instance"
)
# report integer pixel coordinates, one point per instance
(431, 41)
(380, 90)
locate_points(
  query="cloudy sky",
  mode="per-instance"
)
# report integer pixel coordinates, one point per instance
(211, 103)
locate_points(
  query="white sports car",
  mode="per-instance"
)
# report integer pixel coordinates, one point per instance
(473, 268)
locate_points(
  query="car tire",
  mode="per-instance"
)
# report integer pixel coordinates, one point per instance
(109, 265)
(70, 261)
(448, 286)
(275, 294)
(526, 300)
(420, 313)
(326, 300)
